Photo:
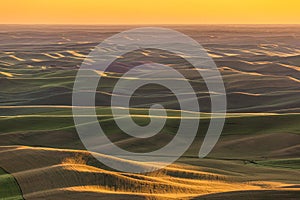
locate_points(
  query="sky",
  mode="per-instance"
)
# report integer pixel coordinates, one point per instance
(150, 12)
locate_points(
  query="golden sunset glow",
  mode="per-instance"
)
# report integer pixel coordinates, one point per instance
(150, 12)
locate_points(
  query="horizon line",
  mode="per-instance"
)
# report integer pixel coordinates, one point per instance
(135, 24)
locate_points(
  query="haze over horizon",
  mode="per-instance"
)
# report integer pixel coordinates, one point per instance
(154, 12)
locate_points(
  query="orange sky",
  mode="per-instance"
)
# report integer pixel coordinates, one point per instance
(150, 12)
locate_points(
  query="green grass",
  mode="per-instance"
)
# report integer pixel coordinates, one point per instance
(283, 163)
(9, 188)
(287, 123)
(39, 119)
(27, 124)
